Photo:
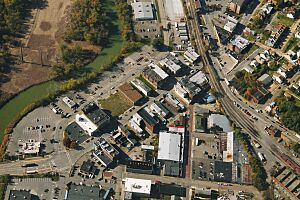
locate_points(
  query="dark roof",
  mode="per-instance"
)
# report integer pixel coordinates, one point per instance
(82, 192)
(103, 157)
(171, 168)
(148, 71)
(223, 35)
(139, 167)
(88, 167)
(169, 189)
(147, 117)
(239, 2)
(20, 194)
(223, 171)
(95, 114)
(76, 133)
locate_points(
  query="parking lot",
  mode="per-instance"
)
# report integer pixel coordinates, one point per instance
(147, 29)
(44, 188)
(39, 125)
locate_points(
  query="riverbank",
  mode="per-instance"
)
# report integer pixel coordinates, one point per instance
(41, 91)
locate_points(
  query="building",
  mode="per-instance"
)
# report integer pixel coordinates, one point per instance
(91, 119)
(260, 94)
(88, 168)
(170, 152)
(69, 102)
(171, 64)
(141, 86)
(276, 33)
(136, 188)
(238, 44)
(160, 109)
(155, 75)
(174, 10)
(278, 78)
(30, 147)
(228, 152)
(237, 6)
(140, 167)
(76, 133)
(271, 130)
(130, 93)
(182, 31)
(104, 152)
(82, 192)
(149, 119)
(142, 11)
(218, 123)
(265, 79)
(21, 195)
(287, 182)
(170, 146)
(174, 103)
(230, 24)
(191, 55)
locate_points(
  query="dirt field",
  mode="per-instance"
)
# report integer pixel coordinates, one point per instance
(40, 46)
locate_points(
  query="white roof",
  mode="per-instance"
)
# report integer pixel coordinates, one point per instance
(240, 42)
(191, 55)
(85, 123)
(142, 10)
(249, 69)
(141, 86)
(228, 154)
(135, 126)
(230, 26)
(30, 147)
(220, 121)
(174, 10)
(177, 129)
(147, 147)
(170, 64)
(169, 146)
(70, 103)
(199, 78)
(140, 186)
(158, 71)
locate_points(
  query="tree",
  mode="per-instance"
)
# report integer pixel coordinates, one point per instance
(158, 44)
(66, 141)
(73, 145)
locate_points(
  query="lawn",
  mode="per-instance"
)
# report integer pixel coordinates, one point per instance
(117, 104)
(283, 19)
(200, 123)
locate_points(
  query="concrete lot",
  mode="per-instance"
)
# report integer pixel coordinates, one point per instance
(147, 29)
(33, 126)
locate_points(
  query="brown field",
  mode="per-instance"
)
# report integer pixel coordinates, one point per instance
(46, 28)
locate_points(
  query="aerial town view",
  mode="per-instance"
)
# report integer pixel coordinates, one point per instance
(149, 99)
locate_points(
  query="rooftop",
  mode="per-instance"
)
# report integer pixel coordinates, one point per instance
(76, 133)
(239, 2)
(169, 147)
(137, 186)
(142, 10)
(147, 117)
(220, 122)
(132, 94)
(83, 192)
(95, 114)
(240, 42)
(199, 78)
(19, 195)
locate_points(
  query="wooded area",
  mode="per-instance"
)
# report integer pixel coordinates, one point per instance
(88, 22)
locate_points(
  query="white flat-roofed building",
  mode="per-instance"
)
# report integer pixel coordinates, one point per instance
(177, 129)
(249, 69)
(29, 147)
(239, 44)
(170, 65)
(138, 186)
(70, 103)
(230, 26)
(141, 86)
(137, 118)
(191, 55)
(159, 71)
(136, 127)
(85, 123)
(170, 146)
(228, 154)
(142, 10)
(174, 10)
(199, 78)
(158, 108)
(147, 147)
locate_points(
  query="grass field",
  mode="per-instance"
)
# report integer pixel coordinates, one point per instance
(116, 103)
(35, 93)
(283, 19)
(291, 44)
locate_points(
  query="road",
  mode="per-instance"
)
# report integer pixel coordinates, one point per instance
(190, 183)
